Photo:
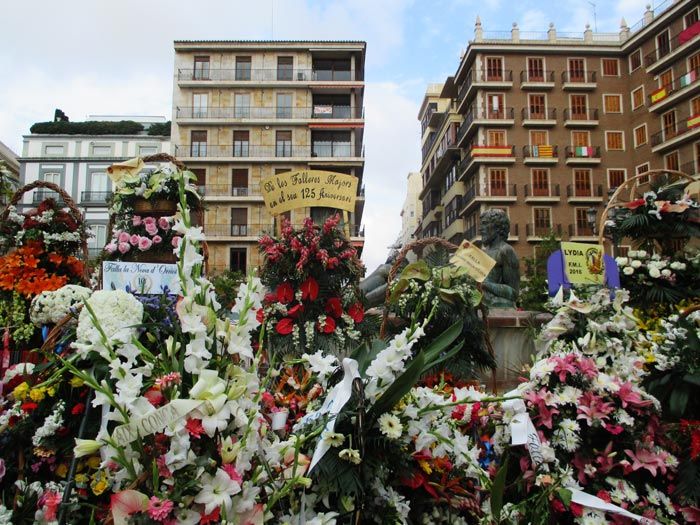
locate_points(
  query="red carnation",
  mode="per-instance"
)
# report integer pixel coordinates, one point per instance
(333, 307)
(285, 326)
(328, 327)
(357, 312)
(285, 293)
(78, 409)
(309, 289)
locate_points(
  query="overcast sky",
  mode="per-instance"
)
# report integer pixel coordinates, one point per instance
(116, 57)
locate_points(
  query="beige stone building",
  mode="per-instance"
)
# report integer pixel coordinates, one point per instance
(544, 125)
(410, 211)
(245, 110)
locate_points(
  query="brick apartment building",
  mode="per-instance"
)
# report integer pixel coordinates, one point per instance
(245, 110)
(544, 125)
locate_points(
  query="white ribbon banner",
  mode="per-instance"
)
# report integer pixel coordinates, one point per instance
(154, 421)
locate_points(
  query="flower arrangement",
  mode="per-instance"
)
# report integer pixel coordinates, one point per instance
(52, 306)
(137, 234)
(315, 301)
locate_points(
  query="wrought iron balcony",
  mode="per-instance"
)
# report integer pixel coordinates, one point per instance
(583, 115)
(95, 197)
(579, 77)
(285, 150)
(265, 75)
(542, 230)
(318, 111)
(551, 190)
(586, 191)
(41, 195)
(582, 152)
(543, 77)
(237, 230)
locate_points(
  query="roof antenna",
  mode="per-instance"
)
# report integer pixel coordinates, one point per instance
(595, 19)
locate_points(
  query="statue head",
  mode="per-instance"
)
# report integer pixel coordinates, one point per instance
(494, 225)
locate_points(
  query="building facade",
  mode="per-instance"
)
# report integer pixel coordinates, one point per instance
(10, 172)
(246, 110)
(545, 125)
(78, 164)
(410, 211)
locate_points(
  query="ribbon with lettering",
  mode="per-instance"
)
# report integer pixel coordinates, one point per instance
(155, 421)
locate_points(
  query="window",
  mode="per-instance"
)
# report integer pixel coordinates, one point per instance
(53, 150)
(198, 144)
(666, 78)
(580, 138)
(147, 150)
(285, 68)
(52, 177)
(239, 182)
(577, 70)
(538, 105)
(642, 168)
(616, 177)
(583, 228)
(239, 222)
(691, 18)
(535, 69)
(496, 105)
(496, 137)
(99, 238)
(543, 221)
(284, 105)
(582, 183)
(237, 260)
(663, 44)
(201, 176)
(612, 103)
(494, 69)
(283, 143)
(331, 144)
(614, 140)
(540, 182)
(101, 150)
(241, 103)
(99, 182)
(695, 106)
(672, 161)
(638, 97)
(668, 124)
(201, 68)
(200, 101)
(579, 107)
(497, 182)
(610, 67)
(635, 60)
(694, 63)
(640, 135)
(539, 138)
(241, 143)
(243, 65)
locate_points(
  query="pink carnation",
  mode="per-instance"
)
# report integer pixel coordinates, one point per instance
(111, 248)
(157, 239)
(123, 237)
(134, 240)
(145, 243)
(136, 220)
(164, 223)
(123, 247)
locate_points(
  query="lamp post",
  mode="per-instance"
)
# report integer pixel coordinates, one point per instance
(591, 216)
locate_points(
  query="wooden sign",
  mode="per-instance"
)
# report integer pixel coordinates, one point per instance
(477, 262)
(304, 188)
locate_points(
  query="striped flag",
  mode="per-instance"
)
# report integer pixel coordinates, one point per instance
(545, 151)
(657, 95)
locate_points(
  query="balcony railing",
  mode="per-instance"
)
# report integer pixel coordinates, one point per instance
(504, 75)
(582, 152)
(501, 190)
(228, 190)
(538, 191)
(682, 127)
(265, 75)
(259, 113)
(536, 78)
(689, 167)
(579, 77)
(548, 114)
(237, 230)
(492, 151)
(245, 150)
(665, 91)
(95, 196)
(580, 230)
(541, 152)
(493, 114)
(591, 190)
(41, 195)
(430, 202)
(674, 43)
(586, 114)
(542, 230)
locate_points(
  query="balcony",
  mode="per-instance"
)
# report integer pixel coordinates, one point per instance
(432, 229)
(482, 79)
(536, 232)
(682, 87)
(582, 155)
(690, 168)
(586, 118)
(581, 232)
(538, 194)
(543, 154)
(251, 76)
(472, 234)
(685, 130)
(479, 155)
(329, 112)
(678, 45)
(250, 232)
(95, 198)
(584, 193)
(547, 118)
(579, 81)
(41, 195)
(478, 194)
(476, 117)
(225, 192)
(545, 80)
(282, 152)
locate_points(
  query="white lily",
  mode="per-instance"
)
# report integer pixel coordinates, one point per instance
(217, 491)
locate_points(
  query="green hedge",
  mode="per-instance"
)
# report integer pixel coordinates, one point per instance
(90, 127)
(160, 129)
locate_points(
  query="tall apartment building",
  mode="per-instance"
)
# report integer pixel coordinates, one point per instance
(10, 170)
(246, 110)
(78, 163)
(410, 211)
(544, 125)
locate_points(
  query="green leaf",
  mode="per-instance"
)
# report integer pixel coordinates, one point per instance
(443, 341)
(417, 270)
(678, 400)
(398, 389)
(693, 379)
(497, 488)
(565, 496)
(442, 358)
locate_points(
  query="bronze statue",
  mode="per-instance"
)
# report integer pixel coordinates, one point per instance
(374, 285)
(502, 283)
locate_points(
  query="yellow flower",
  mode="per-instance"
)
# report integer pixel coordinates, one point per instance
(51, 391)
(94, 462)
(20, 392)
(99, 483)
(62, 470)
(37, 394)
(76, 382)
(81, 479)
(425, 466)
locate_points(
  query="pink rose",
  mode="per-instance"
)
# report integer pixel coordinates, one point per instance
(149, 220)
(123, 237)
(176, 241)
(145, 243)
(136, 220)
(123, 247)
(151, 229)
(157, 239)
(111, 248)
(134, 240)
(164, 223)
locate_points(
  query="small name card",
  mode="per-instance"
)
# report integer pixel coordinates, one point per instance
(143, 278)
(476, 261)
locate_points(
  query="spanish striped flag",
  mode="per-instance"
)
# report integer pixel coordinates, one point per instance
(694, 121)
(492, 151)
(657, 95)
